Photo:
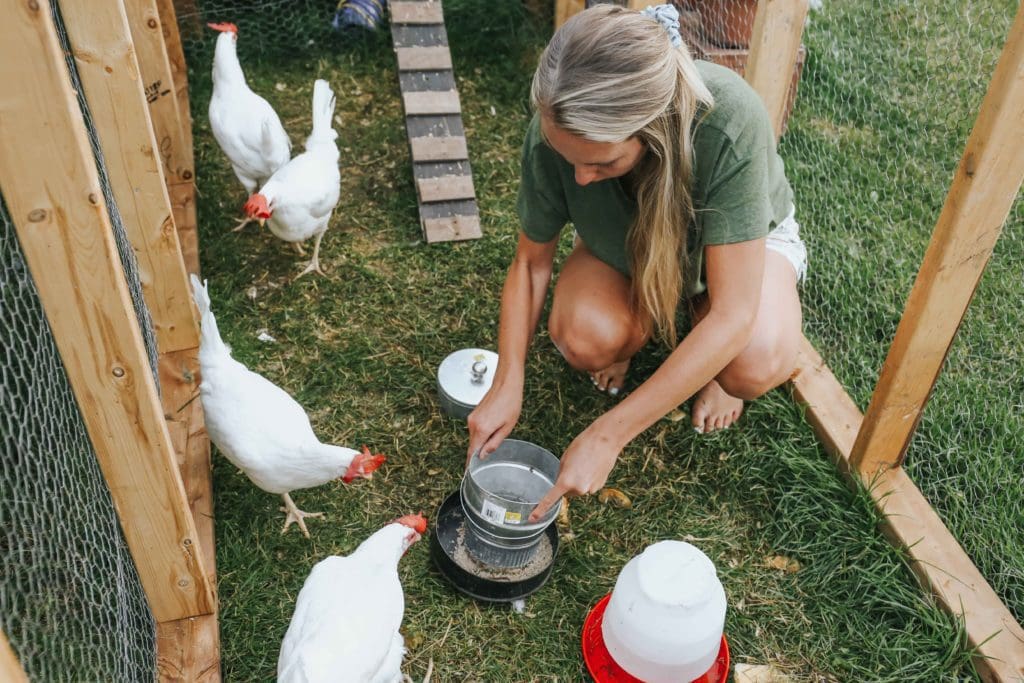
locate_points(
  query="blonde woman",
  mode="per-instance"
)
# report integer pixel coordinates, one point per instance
(667, 169)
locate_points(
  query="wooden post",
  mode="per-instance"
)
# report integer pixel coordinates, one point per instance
(983, 190)
(48, 178)
(565, 9)
(102, 45)
(168, 122)
(188, 650)
(774, 48)
(10, 667)
(937, 560)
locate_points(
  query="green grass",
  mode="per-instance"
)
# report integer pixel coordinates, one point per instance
(884, 107)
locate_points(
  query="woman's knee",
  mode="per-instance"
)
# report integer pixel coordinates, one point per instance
(757, 371)
(589, 340)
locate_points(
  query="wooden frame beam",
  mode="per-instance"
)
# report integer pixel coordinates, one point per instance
(105, 57)
(774, 49)
(983, 191)
(936, 558)
(169, 122)
(101, 41)
(49, 180)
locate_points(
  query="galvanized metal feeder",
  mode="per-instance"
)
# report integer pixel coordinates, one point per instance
(463, 378)
(482, 540)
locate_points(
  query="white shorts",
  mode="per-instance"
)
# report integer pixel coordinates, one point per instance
(785, 239)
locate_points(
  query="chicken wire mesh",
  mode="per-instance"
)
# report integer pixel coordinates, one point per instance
(70, 599)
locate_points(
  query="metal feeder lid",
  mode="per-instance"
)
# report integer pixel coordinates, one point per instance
(465, 376)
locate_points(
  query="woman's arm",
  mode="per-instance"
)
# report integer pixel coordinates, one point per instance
(522, 299)
(734, 276)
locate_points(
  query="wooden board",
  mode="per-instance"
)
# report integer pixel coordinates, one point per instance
(452, 228)
(438, 149)
(983, 191)
(445, 188)
(104, 55)
(424, 12)
(170, 122)
(937, 559)
(431, 102)
(774, 48)
(189, 649)
(48, 178)
(424, 58)
(433, 123)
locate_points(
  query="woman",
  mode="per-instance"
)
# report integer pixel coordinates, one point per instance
(668, 171)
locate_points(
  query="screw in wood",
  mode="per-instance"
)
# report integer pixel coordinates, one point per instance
(118, 371)
(37, 215)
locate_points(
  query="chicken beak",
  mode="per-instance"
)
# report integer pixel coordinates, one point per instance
(262, 222)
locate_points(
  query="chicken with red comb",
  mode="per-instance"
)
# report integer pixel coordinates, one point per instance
(348, 613)
(262, 430)
(297, 202)
(244, 124)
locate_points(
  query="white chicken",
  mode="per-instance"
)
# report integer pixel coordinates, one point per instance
(346, 620)
(262, 430)
(297, 202)
(246, 127)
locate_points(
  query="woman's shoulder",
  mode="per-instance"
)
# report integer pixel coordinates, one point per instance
(738, 111)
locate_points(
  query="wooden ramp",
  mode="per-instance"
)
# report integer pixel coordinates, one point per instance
(433, 122)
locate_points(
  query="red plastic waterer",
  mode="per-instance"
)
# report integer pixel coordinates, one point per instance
(604, 669)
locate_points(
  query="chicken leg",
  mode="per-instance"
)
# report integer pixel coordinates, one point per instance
(314, 263)
(295, 515)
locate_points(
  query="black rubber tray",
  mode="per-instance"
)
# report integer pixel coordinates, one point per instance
(449, 519)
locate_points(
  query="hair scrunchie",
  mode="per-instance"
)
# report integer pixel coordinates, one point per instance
(668, 17)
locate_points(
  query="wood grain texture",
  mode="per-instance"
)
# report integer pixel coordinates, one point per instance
(158, 85)
(431, 102)
(48, 178)
(438, 149)
(451, 228)
(424, 12)
(171, 123)
(189, 649)
(774, 44)
(938, 561)
(432, 58)
(179, 72)
(984, 187)
(445, 188)
(102, 46)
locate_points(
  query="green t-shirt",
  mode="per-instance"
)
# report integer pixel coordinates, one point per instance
(739, 189)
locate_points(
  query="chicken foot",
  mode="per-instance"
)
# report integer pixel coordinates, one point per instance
(314, 263)
(295, 515)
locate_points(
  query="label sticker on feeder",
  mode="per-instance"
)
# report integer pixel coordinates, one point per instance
(513, 518)
(494, 513)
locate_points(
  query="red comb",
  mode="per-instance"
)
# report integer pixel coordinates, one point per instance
(417, 522)
(256, 207)
(363, 465)
(224, 27)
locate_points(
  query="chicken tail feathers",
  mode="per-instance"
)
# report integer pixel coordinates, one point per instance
(209, 334)
(323, 113)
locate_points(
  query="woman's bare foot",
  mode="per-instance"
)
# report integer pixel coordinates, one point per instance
(714, 409)
(612, 378)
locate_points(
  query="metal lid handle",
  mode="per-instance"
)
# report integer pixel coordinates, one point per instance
(478, 370)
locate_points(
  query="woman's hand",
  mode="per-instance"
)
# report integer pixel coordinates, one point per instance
(585, 468)
(494, 418)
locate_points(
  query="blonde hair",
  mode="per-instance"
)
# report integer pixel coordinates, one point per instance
(610, 74)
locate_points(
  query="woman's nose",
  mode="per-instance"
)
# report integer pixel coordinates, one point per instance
(585, 176)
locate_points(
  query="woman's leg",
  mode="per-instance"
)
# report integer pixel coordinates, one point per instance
(768, 360)
(592, 322)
